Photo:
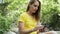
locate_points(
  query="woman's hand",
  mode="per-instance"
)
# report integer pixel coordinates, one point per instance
(39, 26)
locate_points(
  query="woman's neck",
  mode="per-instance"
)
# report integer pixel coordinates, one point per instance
(30, 13)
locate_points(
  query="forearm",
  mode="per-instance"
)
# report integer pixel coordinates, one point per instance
(27, 31)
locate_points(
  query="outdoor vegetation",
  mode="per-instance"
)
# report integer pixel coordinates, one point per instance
(10, 11)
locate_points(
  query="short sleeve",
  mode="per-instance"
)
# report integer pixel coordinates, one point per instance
(21, 18)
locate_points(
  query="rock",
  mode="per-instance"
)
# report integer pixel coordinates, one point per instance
(9, 32)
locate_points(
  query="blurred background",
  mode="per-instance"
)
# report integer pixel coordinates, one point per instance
(10, 10)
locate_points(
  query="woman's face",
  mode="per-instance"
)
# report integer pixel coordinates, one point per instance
(33, 8)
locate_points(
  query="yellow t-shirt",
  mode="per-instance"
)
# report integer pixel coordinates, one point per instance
(29, 23)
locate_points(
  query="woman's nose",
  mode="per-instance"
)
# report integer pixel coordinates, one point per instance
(36, 8)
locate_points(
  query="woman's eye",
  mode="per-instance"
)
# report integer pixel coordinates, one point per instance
(35, 6)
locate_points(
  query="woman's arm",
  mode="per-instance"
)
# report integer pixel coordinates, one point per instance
(40, 30)
(22, 31)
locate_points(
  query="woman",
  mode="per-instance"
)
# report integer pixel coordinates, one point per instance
(29, 21)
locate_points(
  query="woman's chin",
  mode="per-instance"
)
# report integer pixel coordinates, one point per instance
(34, 12)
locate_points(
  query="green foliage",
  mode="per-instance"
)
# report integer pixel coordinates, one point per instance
(10, 10)
(55, 21)
(5, 23)
(50, 10)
